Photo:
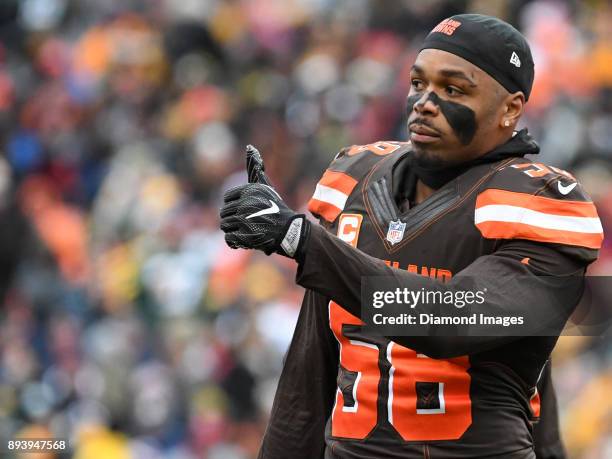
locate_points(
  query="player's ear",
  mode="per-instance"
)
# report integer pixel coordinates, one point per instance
(513, 109)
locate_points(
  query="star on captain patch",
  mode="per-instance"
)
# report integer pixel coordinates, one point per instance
(396, 232)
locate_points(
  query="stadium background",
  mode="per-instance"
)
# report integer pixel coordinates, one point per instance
(126, 323)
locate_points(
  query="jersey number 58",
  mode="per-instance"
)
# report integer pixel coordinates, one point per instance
(428, 399)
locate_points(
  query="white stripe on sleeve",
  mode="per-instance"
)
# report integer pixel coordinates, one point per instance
(330, 195)
(514, 214)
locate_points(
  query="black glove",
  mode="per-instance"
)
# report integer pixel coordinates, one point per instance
(254, 216)
(255, 166)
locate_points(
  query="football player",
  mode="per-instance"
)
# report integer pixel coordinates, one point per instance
(456, 207)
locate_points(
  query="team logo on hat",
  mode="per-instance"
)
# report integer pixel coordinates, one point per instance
(447, 27)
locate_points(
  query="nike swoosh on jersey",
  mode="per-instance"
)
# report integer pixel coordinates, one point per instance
(273, 209)
(566, 189)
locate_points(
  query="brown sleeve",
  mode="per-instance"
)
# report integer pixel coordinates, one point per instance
(306, 389)
(335, 269)
(546, 435)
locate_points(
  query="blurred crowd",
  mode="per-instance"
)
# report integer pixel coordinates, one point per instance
(127, 326)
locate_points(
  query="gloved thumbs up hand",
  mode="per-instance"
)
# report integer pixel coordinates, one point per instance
(254, 216)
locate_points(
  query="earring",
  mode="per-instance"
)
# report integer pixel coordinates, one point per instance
(506, 123)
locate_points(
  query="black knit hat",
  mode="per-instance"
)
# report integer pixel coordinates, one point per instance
(490, 44)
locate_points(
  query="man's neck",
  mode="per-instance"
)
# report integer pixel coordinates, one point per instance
(422, 192)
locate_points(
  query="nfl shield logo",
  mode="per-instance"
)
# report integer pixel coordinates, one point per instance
(396, 232)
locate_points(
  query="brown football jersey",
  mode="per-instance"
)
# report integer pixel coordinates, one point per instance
(427, 397)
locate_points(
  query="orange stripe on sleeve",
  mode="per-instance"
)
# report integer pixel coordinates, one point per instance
(339, 181)
(502, 214)
(512, 230)
(331, 194)
(325, 210)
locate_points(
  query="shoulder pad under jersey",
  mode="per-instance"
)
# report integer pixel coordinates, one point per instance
(346, 170)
